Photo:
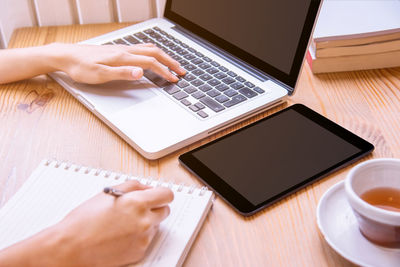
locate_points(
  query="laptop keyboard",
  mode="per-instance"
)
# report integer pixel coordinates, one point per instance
(207, 87)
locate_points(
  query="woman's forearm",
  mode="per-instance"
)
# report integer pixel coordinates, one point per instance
(43, 249)
(23, 63)
(87, 63)
(89, 236)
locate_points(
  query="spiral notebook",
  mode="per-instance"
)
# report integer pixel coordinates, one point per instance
(55, 188)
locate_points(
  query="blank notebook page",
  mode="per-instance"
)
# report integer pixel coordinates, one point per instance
(54, 189)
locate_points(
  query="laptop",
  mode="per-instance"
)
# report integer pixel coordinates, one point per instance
(241, 57)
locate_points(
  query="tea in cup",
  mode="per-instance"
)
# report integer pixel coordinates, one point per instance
(373, 192)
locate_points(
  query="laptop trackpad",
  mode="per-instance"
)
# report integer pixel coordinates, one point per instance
(116, 95)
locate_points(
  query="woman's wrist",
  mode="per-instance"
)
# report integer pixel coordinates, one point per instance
(54, 56)
(23, 63)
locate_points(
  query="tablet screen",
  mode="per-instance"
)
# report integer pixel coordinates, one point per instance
(276, 155)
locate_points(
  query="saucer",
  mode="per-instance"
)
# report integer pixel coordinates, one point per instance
(339, 227)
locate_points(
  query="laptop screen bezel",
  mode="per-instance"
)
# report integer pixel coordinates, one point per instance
(285, 78)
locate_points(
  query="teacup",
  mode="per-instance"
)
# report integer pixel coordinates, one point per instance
(379, 225)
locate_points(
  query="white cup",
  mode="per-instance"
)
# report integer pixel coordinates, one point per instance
(378, 225)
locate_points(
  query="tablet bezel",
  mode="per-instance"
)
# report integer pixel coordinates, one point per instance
(240, 203)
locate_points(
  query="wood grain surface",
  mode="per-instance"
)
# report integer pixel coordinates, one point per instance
(38, 119)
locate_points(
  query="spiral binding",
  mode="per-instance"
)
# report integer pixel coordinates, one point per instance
(66, 165)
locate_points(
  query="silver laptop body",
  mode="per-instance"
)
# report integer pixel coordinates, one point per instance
(155, 118)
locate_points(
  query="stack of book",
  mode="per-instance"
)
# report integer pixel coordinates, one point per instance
(356, 35)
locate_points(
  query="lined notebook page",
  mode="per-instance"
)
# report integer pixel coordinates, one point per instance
(54, 189)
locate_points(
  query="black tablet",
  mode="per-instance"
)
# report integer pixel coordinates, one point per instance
(265, 161)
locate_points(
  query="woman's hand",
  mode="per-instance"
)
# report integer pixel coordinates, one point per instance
(115, 231)
(104, 231)
(99, 64)
(87, 63)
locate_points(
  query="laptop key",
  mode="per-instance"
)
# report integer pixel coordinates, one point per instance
(214, 82)
(235, 100)
(149, 31)
(259, 90)
(228, 80)
(202, 114)
(237, 85)
(212, 70)
(230, 92)
(215, 64)
(213, 93)
(155, 78)
(132, 40)
(189, 57)
(197, 83)
(205, 88)
(161, 39)
(171, 54)
(189, 77)
(183, 62)
(155, 35)
(140, 35)
(180, 95)
(231, 73)
(240, 79)
(204, 66)
(205, 77)
(186, 102)
(222, 87)
(207, 59)
(222, 68)
(120, 41)
(198, 72)
(176, 48)
(212, 104)
(199, 54)
(199, 105)
(248, 92)
(183, 52)
(198, 95)
(249, 84)
(171, 45)
(189, 67)
(176, 57)
(148, 40)
(183, 84)
(171, 89)
(222, 98)
(197, 61)
(192, 50)
(220, 75)
(190, 89)
(194, 108)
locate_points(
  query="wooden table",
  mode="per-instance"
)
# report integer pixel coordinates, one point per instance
(38, 119)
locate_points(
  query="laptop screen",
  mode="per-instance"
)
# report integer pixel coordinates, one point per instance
(268, 34)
